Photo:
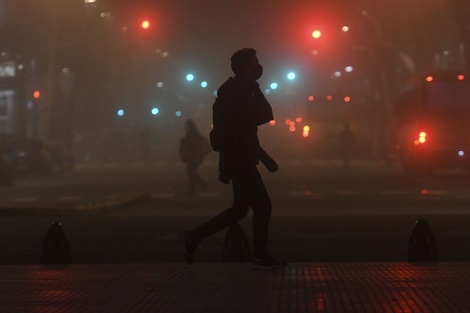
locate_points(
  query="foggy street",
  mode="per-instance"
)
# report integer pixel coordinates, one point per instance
(321, 212)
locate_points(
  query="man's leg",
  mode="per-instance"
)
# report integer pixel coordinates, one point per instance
(238, 211)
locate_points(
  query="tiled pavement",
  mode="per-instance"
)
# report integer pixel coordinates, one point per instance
(234, 287)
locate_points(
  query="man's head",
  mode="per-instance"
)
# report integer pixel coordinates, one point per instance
(245, 63)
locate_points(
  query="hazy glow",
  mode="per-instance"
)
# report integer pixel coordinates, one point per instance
(311, 98)
(461, 77)
(145, 24)
(329, 97)
(272, 122)
(190, 77)
(345, 28)
(204, 84)
(422, 137)
(155, 111)
(178, 113)
(347, 99)
(273, 86)
(306, 131)
(429, 78)
(120, 112)
(291, 76)
(348, 69)
(316, 34)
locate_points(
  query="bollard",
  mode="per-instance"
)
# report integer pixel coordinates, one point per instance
(55, 247)
(236, 247)
(422, 244)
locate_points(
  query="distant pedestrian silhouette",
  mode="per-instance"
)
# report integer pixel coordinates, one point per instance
(193, 148)
(346, 141)
(239, 109)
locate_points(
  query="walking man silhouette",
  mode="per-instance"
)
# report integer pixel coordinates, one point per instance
(240, 107)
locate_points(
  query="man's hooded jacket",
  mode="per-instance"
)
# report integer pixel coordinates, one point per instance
(239, 109)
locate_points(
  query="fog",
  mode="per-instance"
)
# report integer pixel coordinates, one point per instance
(90, 60)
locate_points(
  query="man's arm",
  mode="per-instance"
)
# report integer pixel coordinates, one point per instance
(270, 164)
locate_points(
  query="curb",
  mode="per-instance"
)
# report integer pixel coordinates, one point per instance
(96, 207)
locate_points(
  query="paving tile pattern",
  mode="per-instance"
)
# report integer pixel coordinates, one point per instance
(234, 287)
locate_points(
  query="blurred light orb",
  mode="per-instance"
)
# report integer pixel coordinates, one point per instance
(345, 28)
(155, 111)
(120, 112)
(178, 113)
(160, 84)
(273, 86)
(267, 91)
(204, 84)
(316, 34)
(348, 69)
(291, 76)
(190, 77)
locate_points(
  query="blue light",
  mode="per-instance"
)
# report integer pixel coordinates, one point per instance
(204, 84)
(190, 77)
(120, 112)
(178, 113)
(155, 111)
(291, 76)
(273, 86)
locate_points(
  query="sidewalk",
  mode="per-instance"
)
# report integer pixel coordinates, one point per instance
(234, 287)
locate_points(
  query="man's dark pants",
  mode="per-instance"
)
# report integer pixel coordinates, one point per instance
(248, 191)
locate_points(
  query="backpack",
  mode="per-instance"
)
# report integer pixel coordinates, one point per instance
(215, 135)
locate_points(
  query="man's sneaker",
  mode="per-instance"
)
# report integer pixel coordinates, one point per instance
(267, 263)
(189, 245)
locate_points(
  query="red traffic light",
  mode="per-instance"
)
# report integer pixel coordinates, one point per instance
(36, 94)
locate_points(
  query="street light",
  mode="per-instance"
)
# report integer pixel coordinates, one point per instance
(316, 34)
(145, 24)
